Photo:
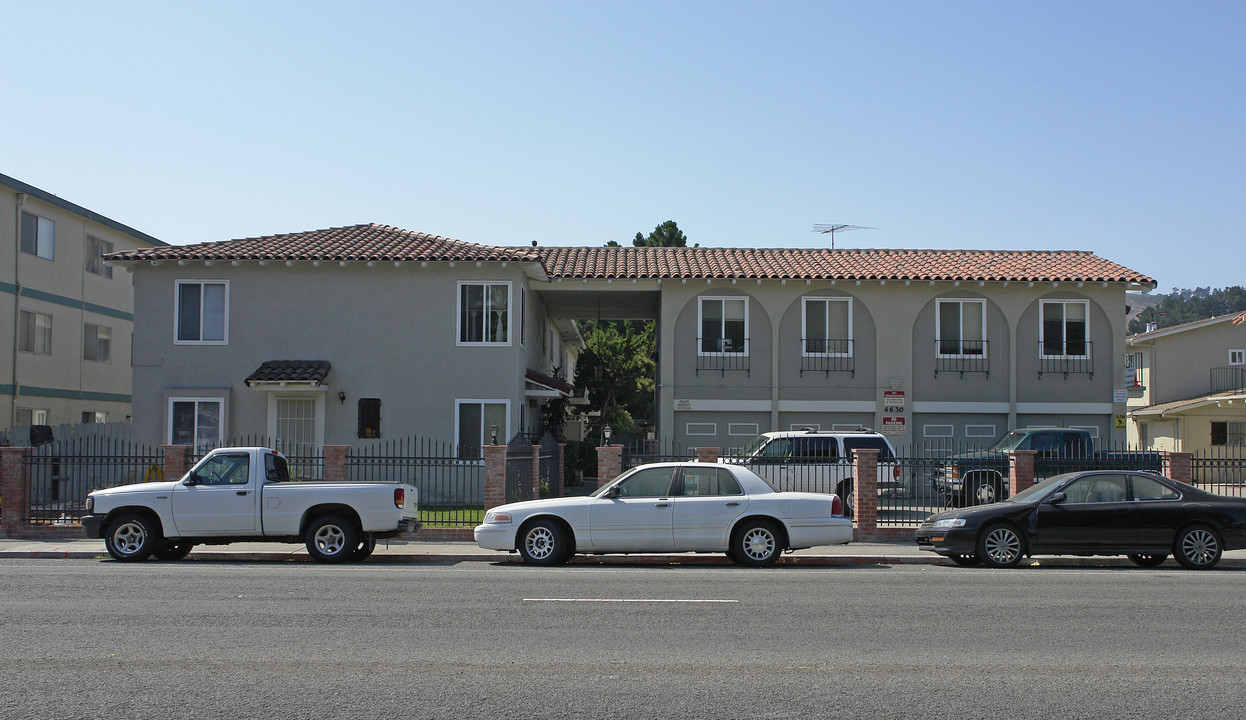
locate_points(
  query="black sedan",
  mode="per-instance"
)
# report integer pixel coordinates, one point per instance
(1140, 515)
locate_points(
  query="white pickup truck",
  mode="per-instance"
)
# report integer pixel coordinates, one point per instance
(245, 494)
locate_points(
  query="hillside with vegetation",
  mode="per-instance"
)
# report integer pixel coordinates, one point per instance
(1183, 306)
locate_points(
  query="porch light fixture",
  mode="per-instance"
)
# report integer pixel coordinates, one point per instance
(341, 396)
(493, 433)
(605, 433)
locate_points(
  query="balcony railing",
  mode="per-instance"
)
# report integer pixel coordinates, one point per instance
(725, 355)
(1228, 379)
(1074, 357)
(962, 356)
(827, 355)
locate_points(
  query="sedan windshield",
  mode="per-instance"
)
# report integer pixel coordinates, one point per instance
(1039, 490)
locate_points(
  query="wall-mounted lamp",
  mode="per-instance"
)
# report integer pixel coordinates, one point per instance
(493, 433)
(606, 432)
(341, 396)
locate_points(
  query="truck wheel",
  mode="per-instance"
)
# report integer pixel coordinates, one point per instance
(756, 544)
(131, 538)
(1000, 546)
(364, 551)
(1197, 547)
(986, 491)
(844, 491)
(172, 551)
(331, 539)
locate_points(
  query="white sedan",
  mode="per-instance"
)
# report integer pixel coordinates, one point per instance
(670, 507)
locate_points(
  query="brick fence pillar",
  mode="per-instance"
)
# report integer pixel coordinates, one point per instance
(708, 454)
(609, 463)
(176, 461)
(335, 462)
(1020, 470)
(865, 493)
(14, 490)
(495, 475)
(1178, 465)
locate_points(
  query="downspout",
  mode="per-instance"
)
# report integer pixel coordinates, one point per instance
(17, 296)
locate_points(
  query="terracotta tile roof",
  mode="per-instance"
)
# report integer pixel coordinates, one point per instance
(381, 243)
(384, 243)
(296, 371)
(855, 264)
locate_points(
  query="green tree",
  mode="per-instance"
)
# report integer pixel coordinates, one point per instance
(667, 234)
(1183, 306)
(617, 369)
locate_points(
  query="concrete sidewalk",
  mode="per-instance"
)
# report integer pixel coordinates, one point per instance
(403, 551)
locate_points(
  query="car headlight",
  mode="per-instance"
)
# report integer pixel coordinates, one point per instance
(497, 517)
(946, 523)
(90, 503)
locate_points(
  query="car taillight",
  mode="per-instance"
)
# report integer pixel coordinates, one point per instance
(400, 498)
(837, 506)
(895, 472)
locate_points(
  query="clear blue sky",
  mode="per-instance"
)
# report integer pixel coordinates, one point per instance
(1116, 127)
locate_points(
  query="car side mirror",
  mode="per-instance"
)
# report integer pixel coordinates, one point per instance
(191, 479)
(612, 492)
(1057, 498)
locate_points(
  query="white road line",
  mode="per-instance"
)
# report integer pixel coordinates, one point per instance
(624, 600)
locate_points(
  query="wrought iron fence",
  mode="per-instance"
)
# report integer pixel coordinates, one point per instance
(452, 489)
(642, 451)
(1220, 469)
(65, 470)
(305, 460)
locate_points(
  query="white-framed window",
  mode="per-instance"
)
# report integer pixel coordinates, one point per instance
(196, 421)
(1064, 331)
(827, 327)
(34, 332)
(1230, 433)
(1092, 429)
(474, 421)
(89, 417)
(32, 416)
(701, 429)
(724, 325)
(96, 247)
(1237, 357)
(937, 431)
(484, 313)
(38, 235)
(960, 328)
(97, 343)
(201, 312)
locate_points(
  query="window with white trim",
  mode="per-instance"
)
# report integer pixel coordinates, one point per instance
(960, 327)
(474, 422)
(827, 324)
(38, 235)
(1237, 357)
(96, 343)
(1064, 330)
(196, 422)
(34, 332)
(32, 416)
(1231, 433)
(201, 314)
(484, 317)
(724, 325)
(96, 248)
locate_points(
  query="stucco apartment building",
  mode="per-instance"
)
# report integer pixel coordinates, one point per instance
(1187, 385)
(343, 334)
(65, 316)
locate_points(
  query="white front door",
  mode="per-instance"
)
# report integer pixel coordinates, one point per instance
(222, 498)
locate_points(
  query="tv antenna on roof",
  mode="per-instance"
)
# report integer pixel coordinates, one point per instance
(838, 227)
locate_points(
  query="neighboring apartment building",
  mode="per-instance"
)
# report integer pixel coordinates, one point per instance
(1187, 385)
(445, 339)
(65, 316)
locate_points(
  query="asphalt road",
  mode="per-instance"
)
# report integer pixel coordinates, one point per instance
(84, 638)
